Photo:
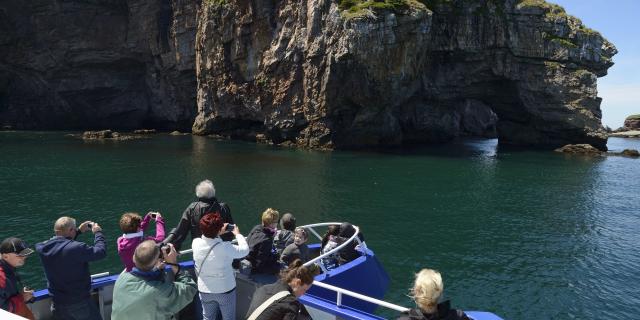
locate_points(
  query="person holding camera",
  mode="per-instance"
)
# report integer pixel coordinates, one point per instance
(212, 257)
(66, 266)
(207, 202)
(148, 292)
(13, 254)
(133, 227)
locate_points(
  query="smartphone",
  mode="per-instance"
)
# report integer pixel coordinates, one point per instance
(230, 227)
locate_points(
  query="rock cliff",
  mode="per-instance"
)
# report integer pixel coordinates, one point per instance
(77, 64)
(315, 73)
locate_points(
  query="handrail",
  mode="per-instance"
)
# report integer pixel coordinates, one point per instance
(334, 250)
(360, 296)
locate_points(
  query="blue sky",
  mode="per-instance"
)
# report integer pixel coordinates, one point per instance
(619, 22)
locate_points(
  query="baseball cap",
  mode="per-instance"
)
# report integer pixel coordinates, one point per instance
(15, 245)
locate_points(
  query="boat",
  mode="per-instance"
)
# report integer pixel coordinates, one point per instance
(353, 290)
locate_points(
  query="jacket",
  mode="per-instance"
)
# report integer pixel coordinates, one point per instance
(287, 308)
(10, 296)
(262, 255)
(127, 243)
(216, 273)
(444, 313)
(66, 266)
(282, 239)
(294, 251)
(190, 220)
(331, 261)
(143, 296)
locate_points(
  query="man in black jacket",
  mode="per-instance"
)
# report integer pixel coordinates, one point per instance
(207, 202)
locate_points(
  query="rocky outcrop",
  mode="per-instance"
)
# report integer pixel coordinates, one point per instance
(582, 149)
(313, 73)
(299, 71)
(632, 122)
(97, 64)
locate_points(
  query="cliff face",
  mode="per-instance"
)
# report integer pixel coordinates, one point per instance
(312, 73)
(299, 71)
(97, 64)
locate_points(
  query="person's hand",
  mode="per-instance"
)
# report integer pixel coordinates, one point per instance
(27, 294)
(236, 230)
(95, 227)
(84, 227)
(172, 255)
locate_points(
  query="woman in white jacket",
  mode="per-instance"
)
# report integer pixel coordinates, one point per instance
(213, 258)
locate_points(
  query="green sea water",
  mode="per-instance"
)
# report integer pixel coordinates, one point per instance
(523, 234)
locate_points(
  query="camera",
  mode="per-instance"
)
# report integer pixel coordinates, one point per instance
(90, 226)
(230, 227)
(153, 214)
(164, 245)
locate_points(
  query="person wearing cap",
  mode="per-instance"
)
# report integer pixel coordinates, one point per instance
(13, 254)
(66, 266)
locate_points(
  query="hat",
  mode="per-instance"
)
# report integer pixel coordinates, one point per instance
(15, 245)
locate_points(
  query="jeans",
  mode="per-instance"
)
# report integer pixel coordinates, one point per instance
(215, 305)
(83, 310)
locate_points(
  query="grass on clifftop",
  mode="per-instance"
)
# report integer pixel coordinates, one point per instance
(633, 117)
(352, 9)
(554, 12)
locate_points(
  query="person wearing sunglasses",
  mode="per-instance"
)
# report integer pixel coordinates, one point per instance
(13, 295)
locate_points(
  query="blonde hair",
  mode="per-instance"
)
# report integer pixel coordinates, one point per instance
(270, 216)
(427, 289)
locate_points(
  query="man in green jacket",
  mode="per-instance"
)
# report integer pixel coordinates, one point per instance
(147, 292)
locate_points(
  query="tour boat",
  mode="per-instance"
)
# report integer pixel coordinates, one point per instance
(351, 291)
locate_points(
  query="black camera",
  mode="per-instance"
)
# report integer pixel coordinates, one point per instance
(230, 227)
(164, 245)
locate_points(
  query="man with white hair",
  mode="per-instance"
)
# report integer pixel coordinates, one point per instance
(66, 266)
(206, 203)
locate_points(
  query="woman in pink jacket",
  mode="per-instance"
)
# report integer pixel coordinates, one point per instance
(133, 227)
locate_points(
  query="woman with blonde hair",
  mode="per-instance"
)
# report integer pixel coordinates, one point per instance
(426, 292)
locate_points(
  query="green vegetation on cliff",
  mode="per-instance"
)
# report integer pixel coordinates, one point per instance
(366, 8)
(633, 117)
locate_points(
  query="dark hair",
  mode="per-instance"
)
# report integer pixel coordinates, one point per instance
(130, 222)
(288, 221)
(347, 230)
(296, 270)
(210, 224)
(332, 230)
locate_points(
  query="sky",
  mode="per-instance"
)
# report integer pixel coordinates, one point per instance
(619, 22)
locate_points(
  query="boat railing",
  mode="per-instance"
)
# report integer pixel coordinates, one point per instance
(310, 227)
(340, 292)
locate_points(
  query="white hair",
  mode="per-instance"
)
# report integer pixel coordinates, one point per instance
(427, 290)
(63, 224)
(205, 190)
